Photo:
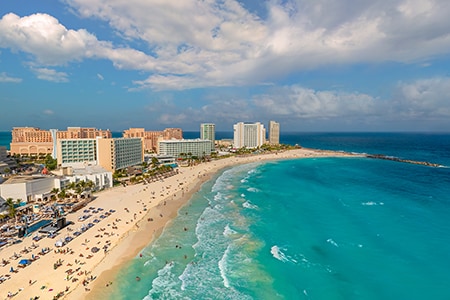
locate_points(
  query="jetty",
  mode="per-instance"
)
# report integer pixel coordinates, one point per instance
(408, 161)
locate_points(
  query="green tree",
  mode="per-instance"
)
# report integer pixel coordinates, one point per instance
(155, 162)
(50, 162)
(11, 207)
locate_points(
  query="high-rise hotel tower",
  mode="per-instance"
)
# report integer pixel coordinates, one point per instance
(208, 132)
(274, 133)
(249, 135)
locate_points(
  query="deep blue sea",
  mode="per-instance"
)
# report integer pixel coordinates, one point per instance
(315, 228)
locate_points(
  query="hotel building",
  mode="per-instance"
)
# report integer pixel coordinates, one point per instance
(35, 141)
(151, 137)
(249, 135)
(196, 147)
(73, 151)
(274, 133)
(118, 153)
(208, 132)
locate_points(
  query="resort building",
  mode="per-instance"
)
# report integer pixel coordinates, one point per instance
(151, 137)
(72, 151)
(208, 132)
(101, 178)
(274, 133)
(191, 147)
(35, 141)
(248, 135)
(31, 141)
(28, 188)
(118, 153)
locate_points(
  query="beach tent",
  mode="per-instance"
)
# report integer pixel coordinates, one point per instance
(24, 262)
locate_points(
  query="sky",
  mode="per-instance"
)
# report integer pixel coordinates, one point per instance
(322, 65)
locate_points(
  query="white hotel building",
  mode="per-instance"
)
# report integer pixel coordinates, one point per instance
(110, 153)
(248, 135)
(196, 147)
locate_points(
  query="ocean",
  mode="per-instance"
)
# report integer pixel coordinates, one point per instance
(315, 228)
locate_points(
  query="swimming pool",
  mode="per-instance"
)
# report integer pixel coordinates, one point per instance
(37, 225)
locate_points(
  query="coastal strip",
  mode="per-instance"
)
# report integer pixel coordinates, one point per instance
(137, 214)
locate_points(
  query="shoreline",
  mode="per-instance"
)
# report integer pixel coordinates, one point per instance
(141, 213)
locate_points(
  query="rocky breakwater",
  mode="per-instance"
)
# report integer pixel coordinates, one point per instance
(408, 161)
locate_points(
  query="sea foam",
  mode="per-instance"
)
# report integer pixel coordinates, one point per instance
(278, 254)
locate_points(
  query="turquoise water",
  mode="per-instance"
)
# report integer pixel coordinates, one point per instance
(5, 139)
(325, 228)
(37, 225)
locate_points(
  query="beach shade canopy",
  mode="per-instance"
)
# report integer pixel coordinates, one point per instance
(24, 262)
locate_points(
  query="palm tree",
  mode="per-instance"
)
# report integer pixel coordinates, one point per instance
(62, 194)
(11, 207)
(154, 162)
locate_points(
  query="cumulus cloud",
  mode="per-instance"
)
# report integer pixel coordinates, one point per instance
(45, 38)
(50, 75)
(299, 102)
(192, 44)
(8, 79)
(415, 101)
(220, 43)
(426, 98)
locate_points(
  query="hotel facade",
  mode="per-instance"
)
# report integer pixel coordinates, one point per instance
(118, 153)
(196, 147)
(72, 151)
(274, 133)
(208, 132)
(248, 135)
(150, 138)
(35, 141)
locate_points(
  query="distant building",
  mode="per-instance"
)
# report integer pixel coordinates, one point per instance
(35, 141)
(208, 132)
(274, 133)
(194, 147)
(151, 137)
(31, 141)
(249, 135)
(119, 153)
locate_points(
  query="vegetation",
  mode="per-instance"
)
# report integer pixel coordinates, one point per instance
(11, 207)
(50, 162)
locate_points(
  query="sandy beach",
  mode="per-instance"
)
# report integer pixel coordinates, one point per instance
(137, 214)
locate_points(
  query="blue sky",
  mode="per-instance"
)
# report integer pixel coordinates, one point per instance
(323, 65)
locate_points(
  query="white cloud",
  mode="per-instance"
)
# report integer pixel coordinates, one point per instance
(50, 75)
(48, 112)
(6, 78)
(219, 43)
(100, 76)
(44, 37)
(426, 98)
(192, 44)
(298, 102)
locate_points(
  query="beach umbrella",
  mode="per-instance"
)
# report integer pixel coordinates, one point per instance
(24, 262)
